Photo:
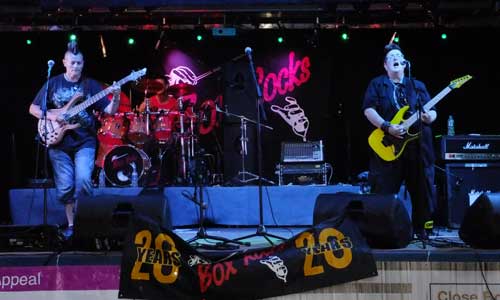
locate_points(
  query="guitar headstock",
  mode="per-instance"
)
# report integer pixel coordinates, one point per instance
(455, 84)
(137, 74)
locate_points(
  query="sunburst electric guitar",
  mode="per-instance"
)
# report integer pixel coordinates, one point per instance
(52, 132)
(388, 147)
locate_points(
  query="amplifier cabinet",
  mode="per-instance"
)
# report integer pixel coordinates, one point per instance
(302, 173)
(464, 183)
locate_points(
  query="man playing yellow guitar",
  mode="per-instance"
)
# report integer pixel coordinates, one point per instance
(388, 100)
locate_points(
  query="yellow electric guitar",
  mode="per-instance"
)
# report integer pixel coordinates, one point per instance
(388, 147)
(52, 132)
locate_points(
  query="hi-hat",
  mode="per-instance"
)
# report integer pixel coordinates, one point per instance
(180, 89)
(150, 86)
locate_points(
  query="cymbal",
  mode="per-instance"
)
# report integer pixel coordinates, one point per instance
(150, 86)
(180, 89)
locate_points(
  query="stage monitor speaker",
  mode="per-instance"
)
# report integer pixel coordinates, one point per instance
(101, 221)
(382, 219)
(465, 182)
(481, 225)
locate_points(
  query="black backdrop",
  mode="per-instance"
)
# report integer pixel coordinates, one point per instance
(331, 98)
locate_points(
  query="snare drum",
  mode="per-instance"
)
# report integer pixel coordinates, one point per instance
(119, 164)
(113, 129)
(138, 129)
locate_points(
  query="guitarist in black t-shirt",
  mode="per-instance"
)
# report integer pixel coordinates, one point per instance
(72, 141)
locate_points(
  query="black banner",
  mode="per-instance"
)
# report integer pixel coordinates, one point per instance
(157, 264)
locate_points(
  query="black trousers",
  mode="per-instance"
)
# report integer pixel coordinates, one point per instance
(387, 178)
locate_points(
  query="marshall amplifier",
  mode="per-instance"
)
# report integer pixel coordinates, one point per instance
(470, 147)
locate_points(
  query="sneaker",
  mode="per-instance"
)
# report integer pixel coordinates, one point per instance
(68, 232)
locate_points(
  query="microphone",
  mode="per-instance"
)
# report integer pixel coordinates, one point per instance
(248, 52)
(405, 62)
(50, 63)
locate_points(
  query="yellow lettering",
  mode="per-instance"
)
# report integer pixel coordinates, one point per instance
(306, 240)
(171, 276)
(336, 262)
(142, 238)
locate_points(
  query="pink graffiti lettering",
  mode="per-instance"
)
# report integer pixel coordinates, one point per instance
(216, 273)
(259, 255)
(297, 73)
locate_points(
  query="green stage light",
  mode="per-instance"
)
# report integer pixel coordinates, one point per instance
(444, 36)
(280, 39)
(131, 41)
(72, 37)
(28, 42)
(396, 39)
(344, 36)
(199, 37)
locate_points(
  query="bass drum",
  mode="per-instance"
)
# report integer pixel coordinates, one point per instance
(120, 162)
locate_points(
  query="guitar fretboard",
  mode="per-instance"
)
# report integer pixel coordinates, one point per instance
(413, 118)
(85, 104)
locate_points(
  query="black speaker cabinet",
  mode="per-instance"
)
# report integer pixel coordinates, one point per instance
(101, 221)
(464, 183)
(382, 219)
(481, 225)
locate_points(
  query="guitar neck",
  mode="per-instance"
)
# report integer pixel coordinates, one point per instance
(85, 104)
(413, 118)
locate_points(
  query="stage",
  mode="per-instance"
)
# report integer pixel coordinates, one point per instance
(444, 269)
(410, 273)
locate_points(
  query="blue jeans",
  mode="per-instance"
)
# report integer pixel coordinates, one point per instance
(72, 173)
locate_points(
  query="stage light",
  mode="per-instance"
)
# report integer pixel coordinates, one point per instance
(344, 36)
(199, 37)
(131, 41)
(72, 37)
(280, 39)
(28, 42)
(444, 36)
(396, 39)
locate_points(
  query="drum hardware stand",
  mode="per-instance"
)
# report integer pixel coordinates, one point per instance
(187, 141)
(147, 115)
(162, 147)
(261, 229)
(244, 176)
(182, 137)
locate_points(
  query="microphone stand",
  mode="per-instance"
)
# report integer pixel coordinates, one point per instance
(45, 159)
(420, 158)
(261, 229)
(245, 175)
(197, 198)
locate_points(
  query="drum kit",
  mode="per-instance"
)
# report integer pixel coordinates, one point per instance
(130, 141)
